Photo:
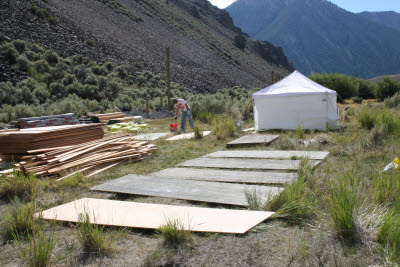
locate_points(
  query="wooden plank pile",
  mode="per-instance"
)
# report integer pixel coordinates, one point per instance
(108, 116)
(90, 157)
(52, 120)
(16, 143)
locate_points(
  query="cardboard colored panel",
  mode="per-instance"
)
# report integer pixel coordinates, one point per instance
(256, 164)
(253, 139)
(269, 154)
(152, 216)
(250, 177)
(150, 136)
(186, 136)
(213, 192)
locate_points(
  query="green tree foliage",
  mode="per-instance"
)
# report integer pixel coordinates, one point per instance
(387, 88)
(345, 86)
(240, 41)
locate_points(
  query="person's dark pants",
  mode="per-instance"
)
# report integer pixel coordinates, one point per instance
(183, 122)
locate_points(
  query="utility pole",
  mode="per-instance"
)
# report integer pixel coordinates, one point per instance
(168, 81)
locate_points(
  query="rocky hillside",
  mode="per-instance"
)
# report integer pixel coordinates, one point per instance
(137, 32)
(318, 36)
(390, 19)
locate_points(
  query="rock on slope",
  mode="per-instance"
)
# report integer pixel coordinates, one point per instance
(137, 32)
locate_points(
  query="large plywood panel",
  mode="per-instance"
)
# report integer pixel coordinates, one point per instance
(221, 193)
(150, 136)
(254, 139)
(250, 177)
(152, 216)
(256, 164)
(186, 136)
(269, 154)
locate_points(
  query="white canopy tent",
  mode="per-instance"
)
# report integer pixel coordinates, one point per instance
(295, 101)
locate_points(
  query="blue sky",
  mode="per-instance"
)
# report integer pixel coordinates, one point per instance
(350, 5)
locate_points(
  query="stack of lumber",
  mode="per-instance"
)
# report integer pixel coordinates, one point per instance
(16, 143)
(108, 116)
(52, 120)
(93, 157)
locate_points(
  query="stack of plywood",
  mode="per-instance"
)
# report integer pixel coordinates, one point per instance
(109, 116)
(16, 143)
(52, 120)
(86, 157)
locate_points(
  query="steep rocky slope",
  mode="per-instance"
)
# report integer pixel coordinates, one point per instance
(390, 19)
(137, 32)
(318, 36)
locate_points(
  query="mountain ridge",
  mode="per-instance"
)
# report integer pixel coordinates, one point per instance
(318, 36)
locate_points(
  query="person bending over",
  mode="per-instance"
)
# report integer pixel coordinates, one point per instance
(183, 106)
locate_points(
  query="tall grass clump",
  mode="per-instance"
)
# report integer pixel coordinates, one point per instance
(295, 204)
(93, 237)
(367, 119)
(173, 233)
(254, 199)
(224, 127)
(342, 204)
(198, 133)
(393, 102)
(39, 250)
(386, 188)
(389, 232)
(300, 131)
(18, 220)
(18, 185)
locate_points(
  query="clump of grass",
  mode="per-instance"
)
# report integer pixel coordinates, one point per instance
(254, 199)
(18, 220)
(198, 133)
(93, 237)
(367, 119)
(18, 185)
(300, 131)
(389, 232)
(342, 204)
(173, 233)
(224, 127)
(284, 143)
(38, 252)
(42, 13)
(386, 188)
(205, 116)
(71, 182)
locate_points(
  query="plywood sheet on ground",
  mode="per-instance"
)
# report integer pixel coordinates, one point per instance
(186, 136)
(222, 193)
(150, 136)
(152, 216)
(256, 164)
(267, 154)
(254, 139)
(227, 176)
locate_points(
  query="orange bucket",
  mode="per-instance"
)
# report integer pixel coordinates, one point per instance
(173, 127)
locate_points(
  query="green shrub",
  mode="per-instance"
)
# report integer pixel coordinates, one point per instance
(18, 220)
(23, 62)
(394, 101)
(342, 204)
(387, 88)
(345, 86)
(224, 127)
(173, 233)
(18, 185)
(240, 41)
(357, 100)
(300, 131)
(9, 52)
(206, 117)
(254, 199)
(41, 66)
(51, 57)
(93, 237)
(20, 45)
(367, 119)
(198, 133)
(39, 249)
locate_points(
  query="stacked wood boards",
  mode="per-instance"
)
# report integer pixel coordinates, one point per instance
(15, 143)
(109, 116)
(152, 216)
(92, 156)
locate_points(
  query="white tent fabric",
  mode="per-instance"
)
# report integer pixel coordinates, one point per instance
(295, 101)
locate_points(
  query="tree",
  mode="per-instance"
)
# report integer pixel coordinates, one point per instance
(387, 88)
(240, 41)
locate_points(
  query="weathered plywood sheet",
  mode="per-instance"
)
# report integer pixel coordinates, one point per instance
(256, 164)
(227, 176)
(222, 193)
(186, 136)
(266, 154)
(150, 136)
(254, 139)
(152, 216)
